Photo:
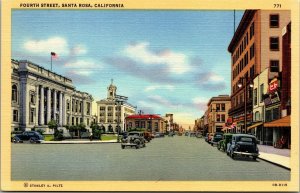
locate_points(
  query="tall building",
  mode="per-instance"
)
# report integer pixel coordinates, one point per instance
(39, 95)
(218, 112)
(255, 46)
(111, 112)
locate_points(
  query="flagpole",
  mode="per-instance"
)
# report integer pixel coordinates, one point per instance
(51, 61)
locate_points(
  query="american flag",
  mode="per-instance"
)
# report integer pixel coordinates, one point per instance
(54, 55)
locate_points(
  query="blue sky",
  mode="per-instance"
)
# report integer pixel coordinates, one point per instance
(164, 61)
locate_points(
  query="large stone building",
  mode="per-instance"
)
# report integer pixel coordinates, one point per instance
(40, 95)
(218, 112)
(255, 46)
(111, 112)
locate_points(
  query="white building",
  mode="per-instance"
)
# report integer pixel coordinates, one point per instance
(40, 95)
(111, 113)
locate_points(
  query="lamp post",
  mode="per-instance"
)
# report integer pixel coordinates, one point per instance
(119, 100)
(240, 84)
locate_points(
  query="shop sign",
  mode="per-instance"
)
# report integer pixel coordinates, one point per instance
(273, 98)
(273, 85)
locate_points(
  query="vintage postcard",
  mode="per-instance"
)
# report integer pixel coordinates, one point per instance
(124, 95)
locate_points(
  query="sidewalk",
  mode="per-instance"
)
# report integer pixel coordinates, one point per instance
(280, 157)
(78, 141)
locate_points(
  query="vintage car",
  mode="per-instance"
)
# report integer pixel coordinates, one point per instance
(243, 145)
(222, 145)
(147, 136)
(134, 139)
(217, 137)
(31, 136)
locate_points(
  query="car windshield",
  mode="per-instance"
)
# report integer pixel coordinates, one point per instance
(133, 134)
(246, 139)
(220, 136)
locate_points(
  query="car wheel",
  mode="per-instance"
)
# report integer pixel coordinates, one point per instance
(254, 158)
(232, 155)
(122, 146)
(15, 140)
(31, 140)
(137, 146)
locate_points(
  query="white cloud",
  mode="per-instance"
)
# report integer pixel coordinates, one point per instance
(82, 67)
(79, 50)
(159, 100)
(162, 87)
(199, 100)
(55, 44)
(216, 78)
(175, 62)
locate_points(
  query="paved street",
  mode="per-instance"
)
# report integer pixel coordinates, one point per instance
(169, 158)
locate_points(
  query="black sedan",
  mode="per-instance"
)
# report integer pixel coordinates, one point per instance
(31, 136)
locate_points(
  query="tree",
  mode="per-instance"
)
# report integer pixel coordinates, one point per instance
(58, 135)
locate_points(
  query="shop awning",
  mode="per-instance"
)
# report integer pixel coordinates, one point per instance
(283, 122)
(255, 125)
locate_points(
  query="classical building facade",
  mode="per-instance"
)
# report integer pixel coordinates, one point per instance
(255, 46)
(40, 95)
(112, 111)
(218, 112)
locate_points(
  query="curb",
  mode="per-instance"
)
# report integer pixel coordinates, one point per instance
(81, 142)
(277, 164)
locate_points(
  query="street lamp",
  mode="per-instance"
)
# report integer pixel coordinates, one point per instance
(246, 81)
(119, 101)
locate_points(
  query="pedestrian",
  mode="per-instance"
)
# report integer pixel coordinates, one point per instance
(91, 136)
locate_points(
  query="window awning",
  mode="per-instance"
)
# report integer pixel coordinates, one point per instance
(255, 125)
(283, 122)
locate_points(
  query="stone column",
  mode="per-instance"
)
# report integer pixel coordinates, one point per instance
(24, 104)
(42, 121)
(37, 105)
(48, 105)
(60, 109)
(54, 104)
(64, 112)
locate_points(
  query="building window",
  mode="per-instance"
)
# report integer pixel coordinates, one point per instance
(257, 116)
(32, 112)
(137, 124)
(15, 116)
(88, 122)
(68, 105)
(32, 98)
(274, 43)
(130, 124)
(72, 120)
(274, 21)
(252, 72)
(14, 93)
(109, 108)
(88, 108)
(251, 30)
(102, 108)
(156, 125)
(222, 118)
(261, 92)
(274, 66)
(223, 107)
(255, 96)
(252, 51)
(218, 107)
(143, 125)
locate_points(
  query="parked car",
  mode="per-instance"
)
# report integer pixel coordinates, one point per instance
(217, 137)
(222, 145)
(147, 136)
(31, 136)
(134, 139)
(192, 134)
(210, 137)
(206, 137)
(159, 134)
(243, 145)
